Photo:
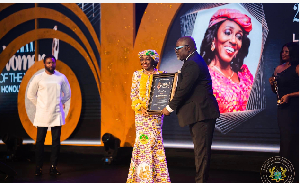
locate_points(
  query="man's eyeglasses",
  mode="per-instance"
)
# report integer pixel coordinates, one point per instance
(179, 47)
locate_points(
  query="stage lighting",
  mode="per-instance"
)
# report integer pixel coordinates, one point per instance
(111, 146)
(12, 143)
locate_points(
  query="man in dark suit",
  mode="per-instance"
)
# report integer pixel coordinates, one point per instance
(195, 103)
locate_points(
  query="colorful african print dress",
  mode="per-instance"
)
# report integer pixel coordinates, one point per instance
(148, 162)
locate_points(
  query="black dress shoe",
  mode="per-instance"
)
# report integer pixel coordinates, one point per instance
(38, 171)
(54, 171)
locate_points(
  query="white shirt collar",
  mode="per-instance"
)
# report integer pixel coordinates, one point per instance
(189, 55)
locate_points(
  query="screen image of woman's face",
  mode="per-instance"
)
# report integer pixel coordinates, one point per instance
(229, 40)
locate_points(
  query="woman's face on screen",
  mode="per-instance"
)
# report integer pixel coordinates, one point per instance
(229, 40)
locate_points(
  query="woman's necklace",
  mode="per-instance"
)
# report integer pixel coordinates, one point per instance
(223, 73)
(148, 73)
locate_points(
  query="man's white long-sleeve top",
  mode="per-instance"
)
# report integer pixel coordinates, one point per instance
(45, 92)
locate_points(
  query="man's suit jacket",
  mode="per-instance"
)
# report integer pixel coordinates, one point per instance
(194, 100)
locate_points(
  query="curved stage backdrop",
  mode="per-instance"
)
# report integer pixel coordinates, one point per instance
(97, 45)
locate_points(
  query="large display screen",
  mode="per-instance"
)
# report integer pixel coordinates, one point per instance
(248, 106)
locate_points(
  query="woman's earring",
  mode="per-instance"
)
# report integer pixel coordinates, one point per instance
(212, 47)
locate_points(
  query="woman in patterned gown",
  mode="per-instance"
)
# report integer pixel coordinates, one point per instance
(148, 162)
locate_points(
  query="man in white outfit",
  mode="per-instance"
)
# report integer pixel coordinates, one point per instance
(48, 91)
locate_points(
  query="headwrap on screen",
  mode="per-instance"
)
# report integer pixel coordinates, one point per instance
(241, 19)
(151, 53)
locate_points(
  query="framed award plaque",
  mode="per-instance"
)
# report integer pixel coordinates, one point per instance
(162, 91)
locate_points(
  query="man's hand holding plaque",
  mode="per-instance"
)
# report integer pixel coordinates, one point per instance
(165, 112)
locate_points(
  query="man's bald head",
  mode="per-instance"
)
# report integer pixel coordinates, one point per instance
(188, 40)
(184, 47)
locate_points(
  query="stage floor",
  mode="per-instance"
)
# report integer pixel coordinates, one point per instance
(85, 165)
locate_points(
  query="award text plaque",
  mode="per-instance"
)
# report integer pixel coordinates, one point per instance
(162, 91)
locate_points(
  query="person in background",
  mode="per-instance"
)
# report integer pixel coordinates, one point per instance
(287, 79)
(45, 92)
